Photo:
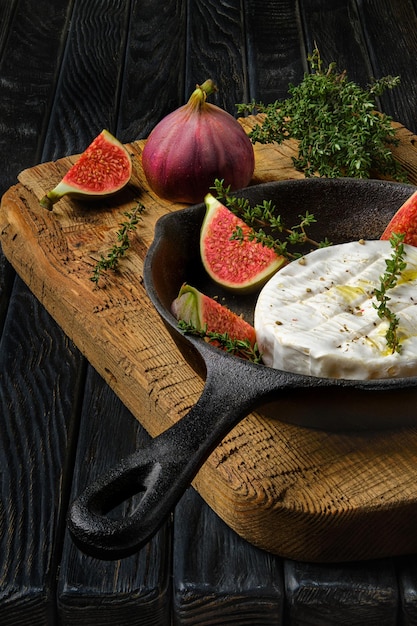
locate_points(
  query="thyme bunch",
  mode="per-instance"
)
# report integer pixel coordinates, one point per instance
(339, 131)
(119, 249)
(264, 216)
(237, 347)
(393, 268)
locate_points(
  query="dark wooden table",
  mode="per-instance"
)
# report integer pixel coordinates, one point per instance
(69, 68)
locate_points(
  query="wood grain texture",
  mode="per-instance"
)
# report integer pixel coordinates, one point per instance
(135, 590)
(401, 37)
(28, 67)
(275, 48)
(222, 575)
(345, 595)
(36, 431)
(41, 369)
(91, 80)
(6, 14)
(276, 485)
(335, 28)
(7, 276)
(407, 587)
(154, 73)
(217, 50)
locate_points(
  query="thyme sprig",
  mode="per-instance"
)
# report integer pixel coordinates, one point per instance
(264, 216)
(395, 265)
(336, 123)
(237, 347)
(118, 250)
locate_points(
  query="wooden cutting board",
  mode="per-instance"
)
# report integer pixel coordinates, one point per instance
(299, 493)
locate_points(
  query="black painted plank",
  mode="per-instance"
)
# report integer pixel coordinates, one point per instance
(40, 375)
(407, 584)
(7, 275)
(136, 590)
(348, 594)
(40, 370)
(275, 47)
(390, 29)
(219, 578)
(216, 48)
(335, 28)
(153, 83)
(29, 63)
(6, 14)
(88, 89)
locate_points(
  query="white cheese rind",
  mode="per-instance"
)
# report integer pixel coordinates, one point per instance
(317, 316)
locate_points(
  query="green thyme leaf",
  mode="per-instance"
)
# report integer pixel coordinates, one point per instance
(118, 250)
(267, 227)
(336, 123)
(237, 347)
(394, 266)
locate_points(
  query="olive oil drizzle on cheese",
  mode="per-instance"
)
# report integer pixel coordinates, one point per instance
(322, 316)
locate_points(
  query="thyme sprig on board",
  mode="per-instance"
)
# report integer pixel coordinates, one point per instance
(119, 249)
(264, 216)
(395, 265)
(237, 347)
(336, 123)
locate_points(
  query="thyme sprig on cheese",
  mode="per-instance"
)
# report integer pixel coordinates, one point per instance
(264, 215)
(318, 318)
(395, 265)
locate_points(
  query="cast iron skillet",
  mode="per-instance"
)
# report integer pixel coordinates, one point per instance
(345, 210)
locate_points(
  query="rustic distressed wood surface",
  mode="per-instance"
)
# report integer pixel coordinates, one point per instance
(68, 68)
(275, 484)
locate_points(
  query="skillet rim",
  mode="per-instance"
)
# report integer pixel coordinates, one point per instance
(207, 351)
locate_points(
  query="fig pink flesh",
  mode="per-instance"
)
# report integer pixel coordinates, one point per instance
(234, 264)
(194, 307)
(404, 222)
(104, 167)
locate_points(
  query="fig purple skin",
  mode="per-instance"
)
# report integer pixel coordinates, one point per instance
(195, 145)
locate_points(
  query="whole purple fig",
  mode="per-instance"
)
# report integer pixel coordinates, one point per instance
(194, 145)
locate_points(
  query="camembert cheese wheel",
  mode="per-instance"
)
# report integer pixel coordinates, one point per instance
(316, 316)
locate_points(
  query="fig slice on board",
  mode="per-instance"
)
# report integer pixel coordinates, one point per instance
(103, 168)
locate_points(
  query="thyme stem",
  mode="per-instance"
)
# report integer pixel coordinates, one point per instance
(394, 266)
(262, 216)
(336, 123)
(118, 250)
(238, 347)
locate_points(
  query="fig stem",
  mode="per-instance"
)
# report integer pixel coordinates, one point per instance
(199, 95)
(46, 203)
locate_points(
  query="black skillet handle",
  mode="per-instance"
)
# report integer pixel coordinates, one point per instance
(161, 471)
